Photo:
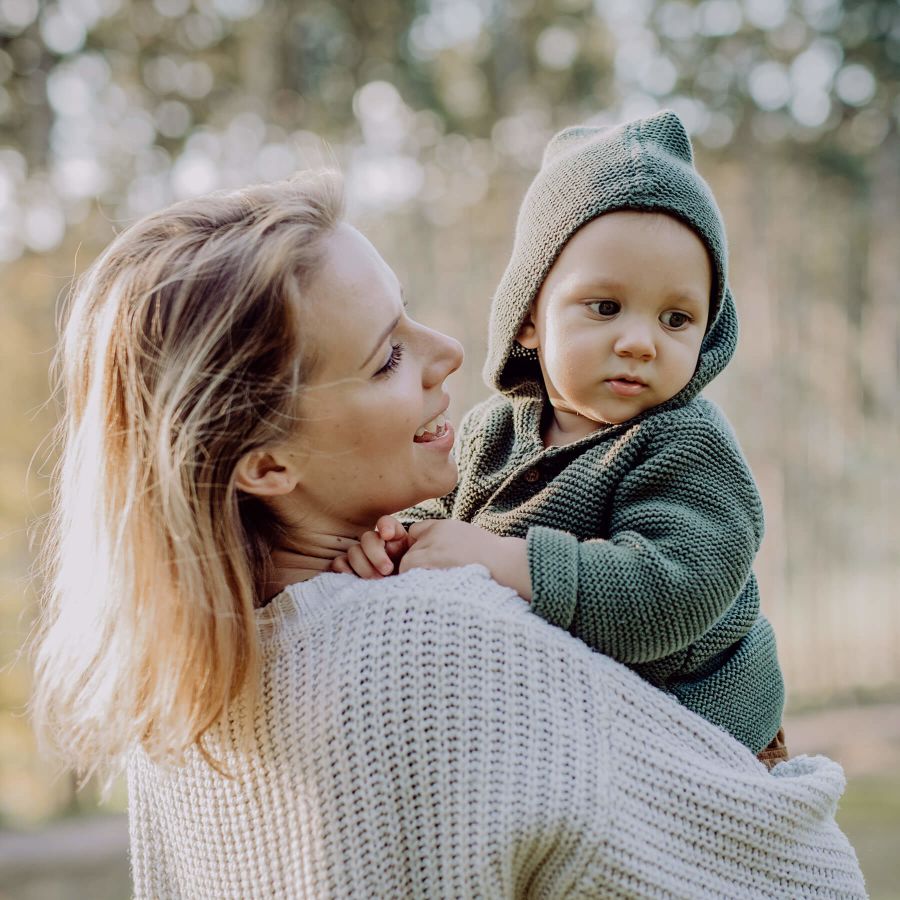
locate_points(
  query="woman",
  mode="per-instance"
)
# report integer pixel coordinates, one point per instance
(240, 377)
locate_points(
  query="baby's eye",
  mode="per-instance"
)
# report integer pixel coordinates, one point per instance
(604, 307)
(671, 318)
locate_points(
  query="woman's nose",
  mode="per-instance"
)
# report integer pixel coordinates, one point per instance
(635, 339)
(443, 356)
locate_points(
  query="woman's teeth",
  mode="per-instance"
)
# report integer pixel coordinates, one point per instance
(432, 430)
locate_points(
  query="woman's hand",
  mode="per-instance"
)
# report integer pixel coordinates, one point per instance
(445, 543)
(377, 553)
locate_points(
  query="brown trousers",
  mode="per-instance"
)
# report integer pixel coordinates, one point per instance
(776, 752)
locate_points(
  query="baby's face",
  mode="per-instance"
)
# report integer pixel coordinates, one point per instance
(620, 318)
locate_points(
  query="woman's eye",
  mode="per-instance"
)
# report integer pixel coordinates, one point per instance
(604, 307)
(393, 360)
(673, 319)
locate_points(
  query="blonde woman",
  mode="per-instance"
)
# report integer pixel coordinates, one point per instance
(241, 379)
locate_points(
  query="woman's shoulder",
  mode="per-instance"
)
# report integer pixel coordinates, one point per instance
(465, 593)
(451, 620)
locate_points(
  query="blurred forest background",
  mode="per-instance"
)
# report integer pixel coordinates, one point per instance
(437, 111)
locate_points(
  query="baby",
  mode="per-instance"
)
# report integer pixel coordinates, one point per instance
(598, 482)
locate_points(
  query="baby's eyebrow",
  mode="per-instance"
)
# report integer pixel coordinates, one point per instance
(585, 285)
(688, 296)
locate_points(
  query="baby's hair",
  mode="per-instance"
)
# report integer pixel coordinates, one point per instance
(181, 350)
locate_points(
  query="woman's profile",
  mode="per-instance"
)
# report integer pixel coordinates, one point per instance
(240, 376)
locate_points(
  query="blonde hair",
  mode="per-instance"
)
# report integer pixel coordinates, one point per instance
(181, 351)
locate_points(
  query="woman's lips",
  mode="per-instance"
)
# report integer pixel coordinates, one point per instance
(624, 388)
(435, 430)
(442, 442)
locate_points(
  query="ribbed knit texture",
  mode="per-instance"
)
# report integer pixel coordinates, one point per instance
(425, 736)
(641, 536)
(640, 541)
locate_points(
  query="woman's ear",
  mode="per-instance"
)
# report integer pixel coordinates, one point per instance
(527, 335)
(263, 473)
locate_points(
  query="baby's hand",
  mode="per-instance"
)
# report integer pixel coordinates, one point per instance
(445, 543)
(377, 551)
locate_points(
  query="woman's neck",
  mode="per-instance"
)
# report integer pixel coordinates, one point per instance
(305, 552)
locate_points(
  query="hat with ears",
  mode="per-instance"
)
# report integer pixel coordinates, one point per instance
(645, 165)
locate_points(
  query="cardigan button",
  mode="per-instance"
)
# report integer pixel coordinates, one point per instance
(532, 475)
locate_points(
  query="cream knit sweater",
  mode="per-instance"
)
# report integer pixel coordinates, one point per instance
(427, 736)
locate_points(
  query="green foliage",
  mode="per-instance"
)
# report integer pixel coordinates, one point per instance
(133, 103)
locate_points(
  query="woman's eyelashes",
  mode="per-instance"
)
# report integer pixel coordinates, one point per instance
(393, 360)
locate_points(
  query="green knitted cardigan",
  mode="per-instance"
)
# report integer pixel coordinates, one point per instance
(640, 536)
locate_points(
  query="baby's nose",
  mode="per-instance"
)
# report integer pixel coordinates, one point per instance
(636, 339)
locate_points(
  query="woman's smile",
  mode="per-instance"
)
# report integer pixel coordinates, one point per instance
(368, 422)
(434, 430)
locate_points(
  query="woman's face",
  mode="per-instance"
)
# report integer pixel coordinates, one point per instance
(377, 381)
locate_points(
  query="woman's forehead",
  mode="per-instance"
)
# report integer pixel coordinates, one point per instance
(353, 299)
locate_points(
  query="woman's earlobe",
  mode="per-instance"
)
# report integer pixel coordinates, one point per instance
(261, 473)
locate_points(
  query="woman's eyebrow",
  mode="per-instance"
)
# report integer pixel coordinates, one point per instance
(381, 340)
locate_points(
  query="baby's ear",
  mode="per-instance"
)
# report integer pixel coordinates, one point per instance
(527, 335)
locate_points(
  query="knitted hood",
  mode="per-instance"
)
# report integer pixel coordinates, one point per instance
(646, 165)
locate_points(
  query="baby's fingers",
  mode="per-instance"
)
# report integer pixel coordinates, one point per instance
(390, 529)
(396, 549)
(342, 564)
(375, 551)
(419, 556)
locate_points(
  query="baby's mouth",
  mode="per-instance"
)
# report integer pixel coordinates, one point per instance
(432, 430)
(626, 387)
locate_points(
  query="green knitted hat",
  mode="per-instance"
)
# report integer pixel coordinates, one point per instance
(645, 165)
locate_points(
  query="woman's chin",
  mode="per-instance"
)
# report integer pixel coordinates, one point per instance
(440, 484)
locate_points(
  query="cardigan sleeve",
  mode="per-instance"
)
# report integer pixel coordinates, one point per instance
(434, 508)
(685, 526)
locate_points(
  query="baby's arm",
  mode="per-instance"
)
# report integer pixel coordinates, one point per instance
(685, 526)
(447, 543)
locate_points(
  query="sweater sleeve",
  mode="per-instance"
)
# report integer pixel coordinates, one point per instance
(685, 526)
(426, 736)
(516, 756)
